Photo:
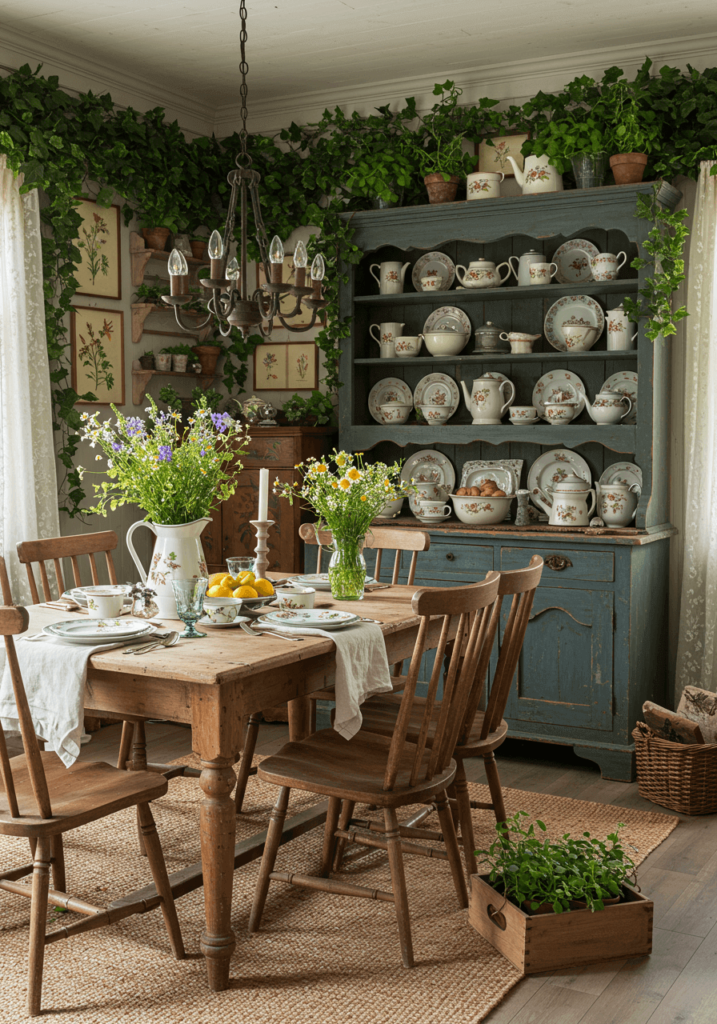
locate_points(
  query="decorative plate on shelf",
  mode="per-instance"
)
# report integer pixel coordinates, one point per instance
(437, 389)
(622, 473)
(581, 310)
(433, 470)
(310, 618)
(624, 381)
(448, 318)
(505, 472)
(573, 260)
(390, 389)
(434, 264)
(552, 386)
(552, 467)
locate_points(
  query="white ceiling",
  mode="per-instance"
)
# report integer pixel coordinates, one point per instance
(331, 48)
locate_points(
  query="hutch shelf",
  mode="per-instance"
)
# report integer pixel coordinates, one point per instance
(595, 646)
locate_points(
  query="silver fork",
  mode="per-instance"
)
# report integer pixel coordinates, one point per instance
(278, 636)
(158, 640)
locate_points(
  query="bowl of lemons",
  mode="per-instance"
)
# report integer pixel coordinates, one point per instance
(244, 588)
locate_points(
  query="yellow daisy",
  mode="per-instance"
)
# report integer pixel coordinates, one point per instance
(364, 498)
(334, 483)
(344, 483)
(340, 460)
(354, 474)
(321, 468)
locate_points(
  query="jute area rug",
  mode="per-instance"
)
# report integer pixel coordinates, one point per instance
(318, 958)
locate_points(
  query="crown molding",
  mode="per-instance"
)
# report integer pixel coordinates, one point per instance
(505, 82)
(81, 74)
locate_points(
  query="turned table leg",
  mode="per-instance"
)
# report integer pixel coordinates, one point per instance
(218, 834)
(299, 719)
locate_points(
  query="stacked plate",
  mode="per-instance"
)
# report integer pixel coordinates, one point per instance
(99, 631)
(311, 618)
(320, 581)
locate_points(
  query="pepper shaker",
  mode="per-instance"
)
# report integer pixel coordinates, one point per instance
(522, 515)
(143, 604)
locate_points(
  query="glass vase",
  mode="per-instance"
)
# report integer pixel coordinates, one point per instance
(347, 569)
(589, 169)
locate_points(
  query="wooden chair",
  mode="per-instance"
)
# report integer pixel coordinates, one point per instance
(42, 800)
(481, 733)
(390, 772)
(54, 549)
(380, 539)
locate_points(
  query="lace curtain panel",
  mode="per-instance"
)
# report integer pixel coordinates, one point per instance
(696, 650)
(28, 478)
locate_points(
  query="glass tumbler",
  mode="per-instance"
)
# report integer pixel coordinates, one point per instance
(189, 595)
(244, 563)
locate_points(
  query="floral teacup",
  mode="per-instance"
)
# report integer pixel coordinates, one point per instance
(432, 284)
(295, 597)
(432, 509)
(542, 273)
(394, 412)
(105, 602)
(520, 414)
(606, 266)
(224, 611)
(483, 185)
(436, 414)
(408, 346)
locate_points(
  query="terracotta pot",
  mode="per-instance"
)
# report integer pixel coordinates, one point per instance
(156, 238)
(628, 168)
(439, 190)
(146, 362)
(208, 356)
(198, 249)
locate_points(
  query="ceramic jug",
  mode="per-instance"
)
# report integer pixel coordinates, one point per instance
(482, 274)
(390, 276)
(608, 407)
(617, 504)
(522, 268)
(485, 399)
(177, 554)
(538, 175)
(620, 336)
(567, 502)
(386, 338)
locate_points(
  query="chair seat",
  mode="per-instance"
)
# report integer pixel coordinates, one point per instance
(379, 716)
(82, 793)
(327, 764)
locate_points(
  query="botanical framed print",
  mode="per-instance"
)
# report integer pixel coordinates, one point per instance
(495, 157)
(287, 366)
(97, 337)
(288, 302)
(99, 273)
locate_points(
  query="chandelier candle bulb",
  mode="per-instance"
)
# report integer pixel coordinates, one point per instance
(215, 250)
(263, 495)
(276, 258)
(301, 258)
(178, 273)
(233, 270)
(318, 269)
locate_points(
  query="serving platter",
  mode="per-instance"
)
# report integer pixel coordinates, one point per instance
(624, 381)
(390, 389)
(434, 264)
(447, 318)
(553, 385)
(573, 261)
(310, 618)
(579, 310)
(437, 389)
(552, 467)
(502, 471)
(433, 470)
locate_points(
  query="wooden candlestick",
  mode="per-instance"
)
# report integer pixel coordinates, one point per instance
(261, 563)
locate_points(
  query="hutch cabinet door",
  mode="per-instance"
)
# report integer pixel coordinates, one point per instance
(565, 672)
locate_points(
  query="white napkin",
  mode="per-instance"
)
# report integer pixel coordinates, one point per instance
(361, 669)
(54, 675)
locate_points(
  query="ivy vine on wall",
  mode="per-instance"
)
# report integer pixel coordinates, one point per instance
(310, 175)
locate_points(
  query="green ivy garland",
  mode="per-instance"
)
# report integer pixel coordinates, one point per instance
(310, 175)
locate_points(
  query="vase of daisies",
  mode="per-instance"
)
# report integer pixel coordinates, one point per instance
(176, 475)
(345, 494)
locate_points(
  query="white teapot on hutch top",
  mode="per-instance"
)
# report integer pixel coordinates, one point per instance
(567, 502)
(485, 399)
(538, 175)
(482, 274)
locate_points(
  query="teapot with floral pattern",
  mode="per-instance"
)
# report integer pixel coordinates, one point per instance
(538, 175)
(567, 502)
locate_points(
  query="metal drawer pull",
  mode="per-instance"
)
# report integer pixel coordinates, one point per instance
(451, 557)
(558, 562)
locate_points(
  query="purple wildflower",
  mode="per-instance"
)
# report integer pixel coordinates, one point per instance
(221, 421)
(165, 453)
(134, 426)
(117, 446)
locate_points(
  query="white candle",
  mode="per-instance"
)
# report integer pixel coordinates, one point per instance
(263, 495)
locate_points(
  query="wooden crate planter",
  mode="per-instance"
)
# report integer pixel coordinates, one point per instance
(549, 942)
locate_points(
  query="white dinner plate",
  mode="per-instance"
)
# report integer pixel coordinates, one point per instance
(573, 260)
(310, 618)
(448, 318)
(434, 264)
(575, 310)
(622, 473)
(320, 581)
(390, 389)
(437, 389)
(553, 386)
(624, 381)
(224, 625)
(552, 467)
(99, 631)
(431, 469)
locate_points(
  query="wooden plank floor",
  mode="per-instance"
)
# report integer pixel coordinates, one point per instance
(675, 984)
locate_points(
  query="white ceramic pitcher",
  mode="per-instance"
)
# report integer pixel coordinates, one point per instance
(485, 399)
(177, 554)
(390, 276)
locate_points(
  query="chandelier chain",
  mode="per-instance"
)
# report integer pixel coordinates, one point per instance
(244, 69)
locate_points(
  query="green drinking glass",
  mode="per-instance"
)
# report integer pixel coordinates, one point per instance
(189, 595)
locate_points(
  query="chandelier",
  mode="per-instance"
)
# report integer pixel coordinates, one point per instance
(228, 297)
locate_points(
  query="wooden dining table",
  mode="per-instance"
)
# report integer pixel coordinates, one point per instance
(211, 684)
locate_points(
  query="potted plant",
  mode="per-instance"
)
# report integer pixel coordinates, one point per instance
(317, 410)
(151, 294)
(633, 131)
(574, 134)
(171, 397)
(440, 155)
(198, 246)
(180, 354)
(146, 360)
(541, 902)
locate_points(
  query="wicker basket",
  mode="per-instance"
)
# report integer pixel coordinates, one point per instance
(680, 776)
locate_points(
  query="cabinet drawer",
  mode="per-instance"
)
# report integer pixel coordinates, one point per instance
(593, 566)
(270, 452)
(457, 563)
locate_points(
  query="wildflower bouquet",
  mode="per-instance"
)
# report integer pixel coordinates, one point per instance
(176, 476)
(345, 501)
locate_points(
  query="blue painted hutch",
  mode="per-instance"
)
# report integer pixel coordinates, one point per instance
(596, 644)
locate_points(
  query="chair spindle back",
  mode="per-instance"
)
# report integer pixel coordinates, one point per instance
(56, 548)
(379, 539)
(471, 606)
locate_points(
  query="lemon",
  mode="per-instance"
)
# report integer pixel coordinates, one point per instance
(218, 591)
(245, 591)
(246, 579)
(215, 579)
(263, 588)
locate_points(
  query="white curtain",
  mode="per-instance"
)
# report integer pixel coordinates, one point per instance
(28, 479)
(697, 639)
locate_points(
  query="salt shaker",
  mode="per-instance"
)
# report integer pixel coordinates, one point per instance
(143, 604)
(522, 515)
